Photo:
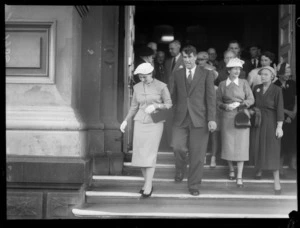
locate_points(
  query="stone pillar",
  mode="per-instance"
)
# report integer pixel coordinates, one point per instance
(48, 165)
(105, 19)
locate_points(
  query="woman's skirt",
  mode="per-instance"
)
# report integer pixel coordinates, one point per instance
(235, 141)
(146, 140)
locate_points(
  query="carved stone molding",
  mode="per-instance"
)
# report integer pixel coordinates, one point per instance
(30, 51)
(82, 10)
(24, 205)
(60, 204)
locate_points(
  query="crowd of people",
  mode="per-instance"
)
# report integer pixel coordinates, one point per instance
(205, 96)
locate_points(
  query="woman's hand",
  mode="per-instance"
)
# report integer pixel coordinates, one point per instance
(279, 132)
(123, 126)
(150, 109)
(291, 114)
(288, 120)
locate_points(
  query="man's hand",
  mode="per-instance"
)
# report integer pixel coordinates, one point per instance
(212, 126)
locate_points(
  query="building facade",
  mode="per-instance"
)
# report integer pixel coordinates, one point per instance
(67, 78)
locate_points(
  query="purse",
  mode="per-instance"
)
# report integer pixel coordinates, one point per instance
(242, 120)
(159, 115)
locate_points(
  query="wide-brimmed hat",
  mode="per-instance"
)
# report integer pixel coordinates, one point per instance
(235, 62)
(144, 68)
(268, 68)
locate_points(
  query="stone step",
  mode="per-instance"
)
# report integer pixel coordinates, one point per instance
(209, 188)
(219, 172)
(168, 158)
(159, 206)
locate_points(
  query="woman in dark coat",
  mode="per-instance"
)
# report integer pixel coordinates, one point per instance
(288, 142)
(266, 137)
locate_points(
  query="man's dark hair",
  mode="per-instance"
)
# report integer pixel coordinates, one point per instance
(234, 42)
(189, 49)
(254, 45)
(269, 54)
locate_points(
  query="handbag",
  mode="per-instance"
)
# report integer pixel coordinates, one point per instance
(242, 120)
(159, 115)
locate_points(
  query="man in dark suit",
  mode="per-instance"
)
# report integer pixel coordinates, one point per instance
(194, 100)
(235, 46)
(171, 65)
(254, 51)
(174, 63)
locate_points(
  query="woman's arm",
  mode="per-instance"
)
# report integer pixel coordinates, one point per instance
(166, 97)
(133, 107)
(249, 98)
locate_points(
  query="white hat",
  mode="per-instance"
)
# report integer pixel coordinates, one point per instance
(235, 62)
(268, 68)
(144, 68)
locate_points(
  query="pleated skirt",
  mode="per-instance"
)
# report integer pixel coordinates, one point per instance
(146, 140)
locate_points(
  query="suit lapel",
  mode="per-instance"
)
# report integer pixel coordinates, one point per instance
(195, 80)
(178, 63)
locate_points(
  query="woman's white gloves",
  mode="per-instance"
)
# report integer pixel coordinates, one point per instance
(233, 105)
(150, 109)
(123, 126)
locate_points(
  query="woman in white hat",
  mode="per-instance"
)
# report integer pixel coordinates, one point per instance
(288, 141)
(266, 137)
(149, 95)
(232, 95)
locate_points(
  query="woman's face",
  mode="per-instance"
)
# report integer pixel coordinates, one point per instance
(266, 76)
(265, 61)
(284, 77)
(145, 77)
(235, 72)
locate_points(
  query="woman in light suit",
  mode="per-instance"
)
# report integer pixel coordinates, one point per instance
(233, 94)
(149, 95)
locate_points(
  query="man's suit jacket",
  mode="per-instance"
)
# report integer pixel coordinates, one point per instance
(169, 72)
(199, 101)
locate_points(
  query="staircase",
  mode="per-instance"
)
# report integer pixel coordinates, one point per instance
(118, 197)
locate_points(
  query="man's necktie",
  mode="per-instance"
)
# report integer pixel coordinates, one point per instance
(190, 77)
(173, 63)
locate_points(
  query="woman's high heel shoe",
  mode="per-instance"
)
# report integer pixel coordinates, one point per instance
(239, 185)
(277, 192)
(147, 195)
(141, 191)
(230, 176)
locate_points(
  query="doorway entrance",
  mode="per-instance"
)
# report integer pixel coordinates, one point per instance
(205, 26)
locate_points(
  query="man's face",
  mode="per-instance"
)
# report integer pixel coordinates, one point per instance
(235, 48)
(189, 60)
(228, 56)
(212, 55)
(254, 52)
(201, 60)
(174, 49)
(160, 57)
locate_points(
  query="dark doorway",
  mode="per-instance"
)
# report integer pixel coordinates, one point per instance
(217, 25)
